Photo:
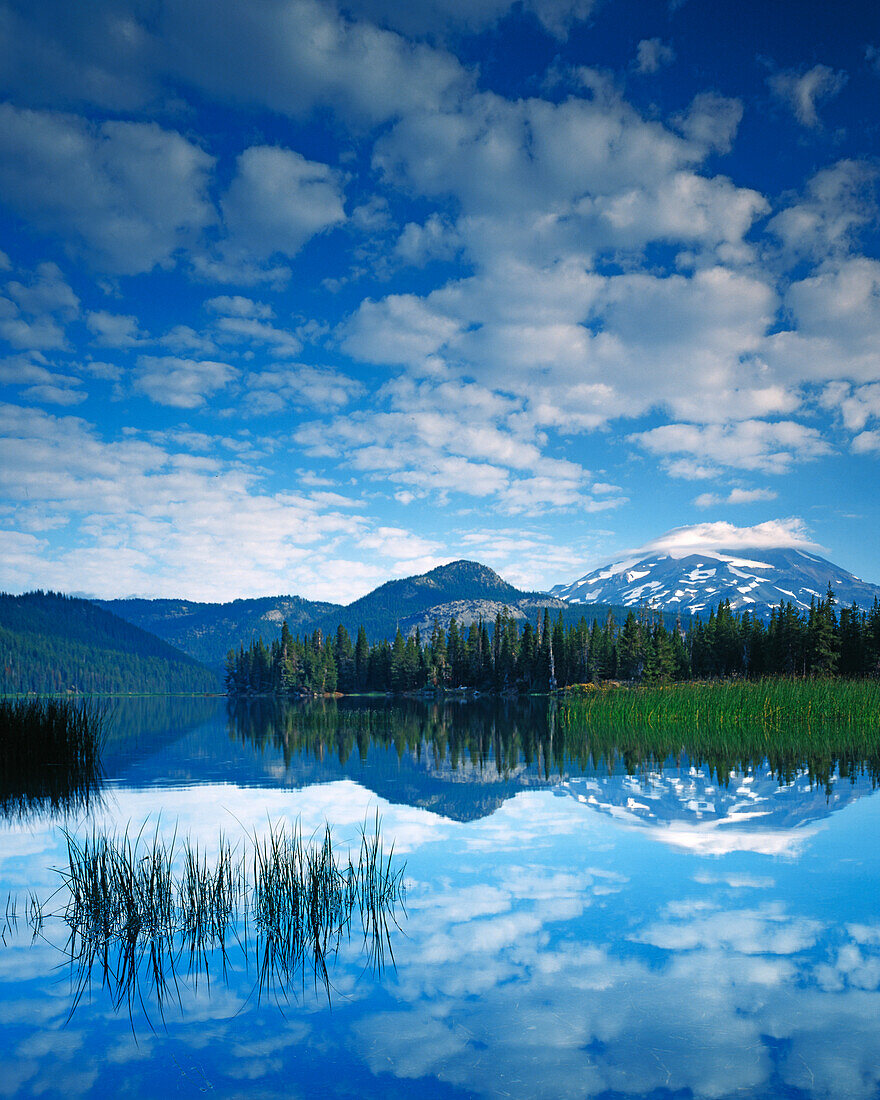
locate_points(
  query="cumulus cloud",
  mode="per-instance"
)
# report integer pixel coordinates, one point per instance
(278, 200)
(824, 222)
(453, 438)
(711, 121)
(299, 385)
(771, 446)
(292, 55)
(128, 193)
(114, 330)
(855, 404)
(433, 240)
(148, 518)
(804, 91)
(834, 319)
(44, 385)
(181, 383)
(441, 17)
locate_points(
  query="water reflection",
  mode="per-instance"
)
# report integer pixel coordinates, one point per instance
(552, 947)
(147, 914)
(464, 760)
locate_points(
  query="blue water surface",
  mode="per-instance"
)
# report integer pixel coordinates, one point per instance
(569, 931)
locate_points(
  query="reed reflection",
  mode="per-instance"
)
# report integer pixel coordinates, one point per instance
(151, 919)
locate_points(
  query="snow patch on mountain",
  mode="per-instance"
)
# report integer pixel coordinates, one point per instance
(754, 579)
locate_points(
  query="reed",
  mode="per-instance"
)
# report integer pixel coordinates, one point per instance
(773, 705)
(824, 727)
(50, 751)
(142, 908)
(56, 731)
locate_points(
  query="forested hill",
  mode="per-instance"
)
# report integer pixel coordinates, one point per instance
(207, 631)
(50, 642)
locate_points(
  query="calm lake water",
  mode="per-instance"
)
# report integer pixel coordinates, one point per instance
(573, 928)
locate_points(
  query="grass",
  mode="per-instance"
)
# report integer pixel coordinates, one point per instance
(777, 705)
(821, 726)
(50, 751)
(141, 910)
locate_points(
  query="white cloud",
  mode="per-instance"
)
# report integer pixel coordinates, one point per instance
(837, 202)
(682, 541)
(803, 91)
(711, 121)
(835, 318)
(147, 519)
(299, 385)
(236, 305)
(418, 244)
(438, 17)
(856, 405)
(181, 383)
(653, 54)
(292, 55)
(735, 496)
(866, 443)
(114, 330)
(44, 385)
(450, 437)
(129, 193)
(278, 200)
(771, 446)
(45, 291)
(766, 930)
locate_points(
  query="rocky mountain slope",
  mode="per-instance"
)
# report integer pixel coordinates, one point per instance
(754, 580)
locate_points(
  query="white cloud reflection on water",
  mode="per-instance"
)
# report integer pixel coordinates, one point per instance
(518, 972)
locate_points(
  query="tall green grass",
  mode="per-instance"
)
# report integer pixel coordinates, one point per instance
(141, 910)
(776, 705)
(50, 753)
(826, 727)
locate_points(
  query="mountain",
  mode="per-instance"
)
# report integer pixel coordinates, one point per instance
(50, 642)
(755, 580)
(207, 631)
(466, 590)
(471, 587)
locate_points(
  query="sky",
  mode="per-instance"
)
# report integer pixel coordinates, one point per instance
(299, 296)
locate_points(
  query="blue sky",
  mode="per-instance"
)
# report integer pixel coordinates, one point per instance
(297, 297)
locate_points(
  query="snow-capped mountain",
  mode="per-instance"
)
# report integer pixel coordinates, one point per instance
(696, 581)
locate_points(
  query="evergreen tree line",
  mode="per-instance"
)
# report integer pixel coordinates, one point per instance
(509, 658)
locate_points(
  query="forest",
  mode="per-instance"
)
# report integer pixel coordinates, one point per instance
(505, 658)
(53, 643)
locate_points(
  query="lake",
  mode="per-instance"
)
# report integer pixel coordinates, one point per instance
(573, 926)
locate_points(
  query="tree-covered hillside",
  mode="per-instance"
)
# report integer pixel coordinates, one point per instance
(50, 642)
(207, 631)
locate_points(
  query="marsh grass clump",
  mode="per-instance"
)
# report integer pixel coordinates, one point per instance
(826, 727)
(50, 753)
(145, 909)
(782, 706)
